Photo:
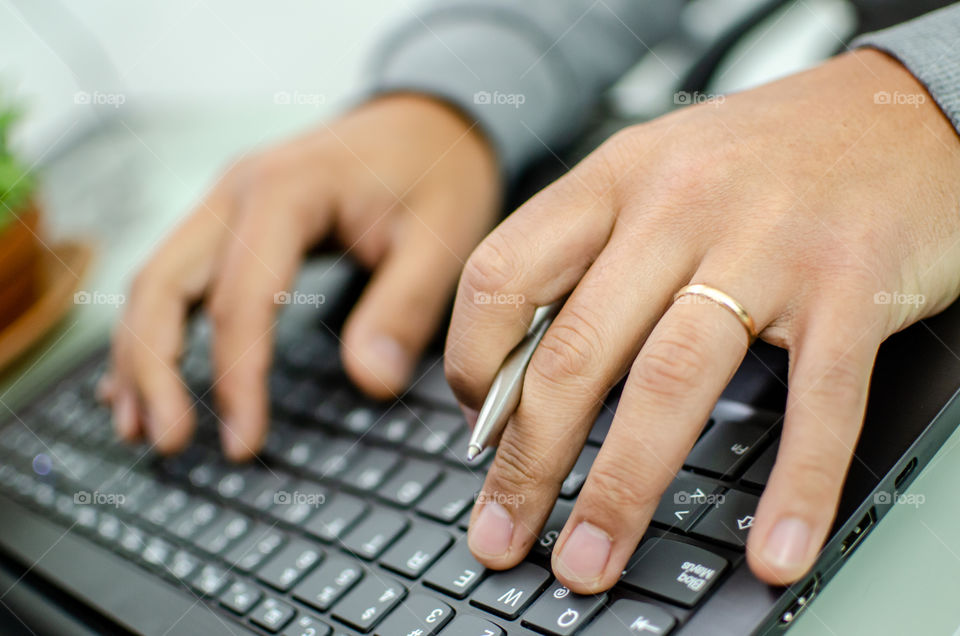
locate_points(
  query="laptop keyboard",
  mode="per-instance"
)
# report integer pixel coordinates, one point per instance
(353, 520)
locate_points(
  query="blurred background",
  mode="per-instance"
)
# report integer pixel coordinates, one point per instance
(130, 110)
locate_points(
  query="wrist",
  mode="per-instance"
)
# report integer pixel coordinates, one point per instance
(892, 87)
(440, 119)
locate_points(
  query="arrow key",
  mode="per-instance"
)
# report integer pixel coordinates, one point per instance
(729, 519)
(684, 501)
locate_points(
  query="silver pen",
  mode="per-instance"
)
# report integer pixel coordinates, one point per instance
(504, 394)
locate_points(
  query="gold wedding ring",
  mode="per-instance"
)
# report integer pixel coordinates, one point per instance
(723, 299)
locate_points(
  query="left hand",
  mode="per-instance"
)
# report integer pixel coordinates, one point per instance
(802, 200)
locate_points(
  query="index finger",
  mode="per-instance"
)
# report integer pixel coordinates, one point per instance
(533, 258)
(260, 261)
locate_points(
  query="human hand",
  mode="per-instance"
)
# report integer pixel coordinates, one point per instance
(802, 200)
(403, 183)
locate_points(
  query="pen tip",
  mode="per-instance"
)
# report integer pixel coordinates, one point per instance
(473, 451)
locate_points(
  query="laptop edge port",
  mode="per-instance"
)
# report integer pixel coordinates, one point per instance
(853, 539)
(904, 475)
(800, 603)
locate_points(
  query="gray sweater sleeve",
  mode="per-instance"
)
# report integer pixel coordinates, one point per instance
(929, 46)
(527, 71)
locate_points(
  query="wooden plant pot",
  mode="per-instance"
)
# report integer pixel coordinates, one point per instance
(20, 258)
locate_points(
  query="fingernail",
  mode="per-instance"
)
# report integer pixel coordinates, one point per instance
(104, 388)
(470, 415)
(389, 360)
(125, 415)
(233, 446)
(787, 543)
(585, 553)
(492, 531)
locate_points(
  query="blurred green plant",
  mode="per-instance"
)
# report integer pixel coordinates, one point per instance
(16, 182)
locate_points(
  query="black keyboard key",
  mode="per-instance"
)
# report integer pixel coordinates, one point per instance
(232, 484)
(725, 448)
(430, 384)
(168, 507)
(421, 614)
(560, 612)
(132, 540)
(416, 551)
(272, 614)
(45, 496)
(629, 618)
(210, 580)
(447, 501)
(373, 467)
(207, 472)
(291, 511)
(574, 481)
(464, 521)
(337, 516)
(375, 533)
(435, 432)
(280, 437)
(311, 352)
(759, 472)
(458, 573)
(289, 564)
(197, 515)
(262, 488)
(304, 450)
(678, 572)
(395, 426)
(456, 453)
(300, 398)
(508, 593)
(296, 505)
(729, 520)
(224, 532)
(240, 597)
(94, 480)
(183, 565)
(325, 585)
(307, 626)
(467, 625)
(684, 501)
(110, 528)
(334, 407)
(334, 458)
(86, 518)
(551, 529)
(359, 420)
(414, 478)
(157, 552)
(254, 548)
(367, 603)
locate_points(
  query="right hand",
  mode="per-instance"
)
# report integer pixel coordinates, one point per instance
(404, 183)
